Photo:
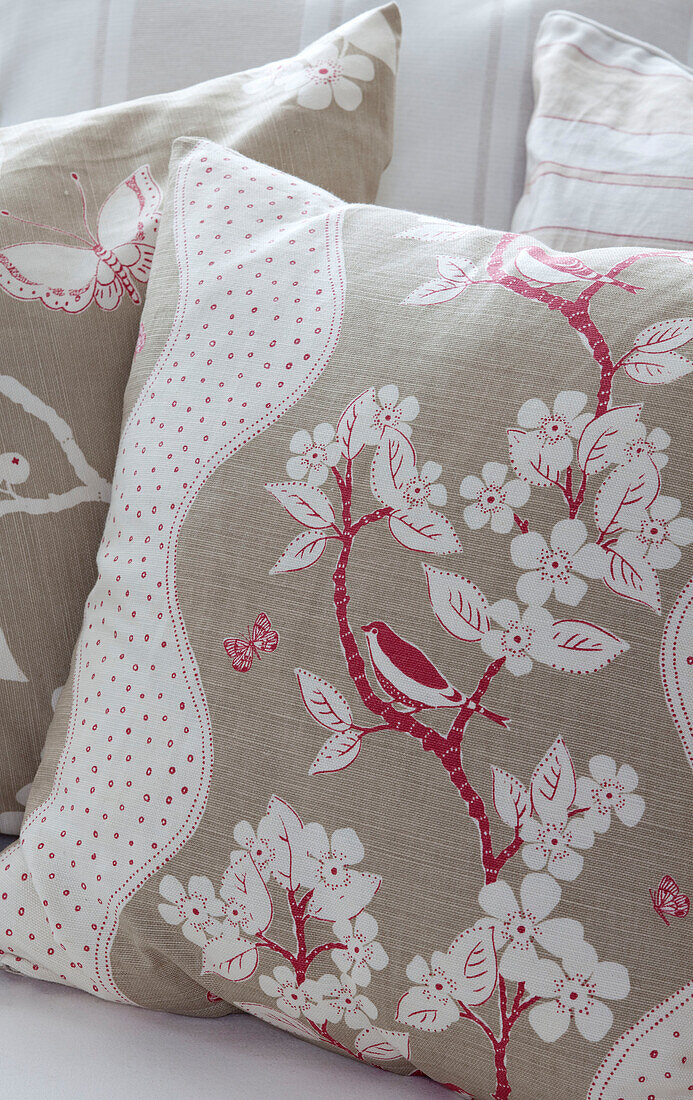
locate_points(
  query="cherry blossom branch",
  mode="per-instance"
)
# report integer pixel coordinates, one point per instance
(521, 523)
(323, 947)
(263, 941)
(321, 1030)
(302, 959)
(445, 749)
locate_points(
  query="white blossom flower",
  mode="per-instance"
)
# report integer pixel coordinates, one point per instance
(551, 844)
(338, 891)
(518, 927)
(260, 847)
(555, 430)
(609, 790)
(361, 952)
(313, 455)
(343, 1001)
(494, 500)
(434, 991)
(656, 535)
(332, 76)
(294, 999)
(553, 568)
(651, 446)
(422, 488)
(521, 636)
(392, 413)
(194, 909)
(575, 994)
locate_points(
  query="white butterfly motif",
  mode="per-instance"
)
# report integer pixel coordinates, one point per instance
(99, 268)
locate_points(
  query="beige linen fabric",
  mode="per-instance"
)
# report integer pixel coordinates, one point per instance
(69, 318)
(610, 144)
(350, 417)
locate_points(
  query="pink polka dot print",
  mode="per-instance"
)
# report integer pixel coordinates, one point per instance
(260, 305)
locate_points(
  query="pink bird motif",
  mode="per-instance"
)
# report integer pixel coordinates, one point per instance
(409, 678)
(549, 268)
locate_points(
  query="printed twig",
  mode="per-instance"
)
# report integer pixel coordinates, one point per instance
(447, 750)
(575, 312)
(93, 486)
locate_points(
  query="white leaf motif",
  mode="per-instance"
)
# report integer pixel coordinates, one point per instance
(573, 645)
(354, 423)
(434, 292)
(459, 606)
(301, 552)
(456, 268)
(242, 883)
(339, 751)
(306, 503)
(385, 1046)
(510, 797)
(419, 1009)
(425, 530)
(634, 580)
(471, 966)
(553, 784)
(628, 488)
(602, 440)
(528, 461)
(393, 465)
(230, 955)
(652, 359)
(291, 863)
(327, 705)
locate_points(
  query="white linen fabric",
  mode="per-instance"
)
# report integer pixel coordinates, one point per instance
(464, 97)
(610, 145)
(50, 1035)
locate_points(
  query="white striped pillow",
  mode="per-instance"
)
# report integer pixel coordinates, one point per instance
(610, 144)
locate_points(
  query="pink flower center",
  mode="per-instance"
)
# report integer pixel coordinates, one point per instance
(327, 72)
(653, 532)
(553, 428)
(491, 499)
(555, 565)
(516, 639)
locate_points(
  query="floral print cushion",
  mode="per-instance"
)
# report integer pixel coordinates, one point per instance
(82, 200)
(378, 726)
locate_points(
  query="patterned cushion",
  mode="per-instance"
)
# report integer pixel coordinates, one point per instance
(610, 145)
(366, 732)
(82, 198)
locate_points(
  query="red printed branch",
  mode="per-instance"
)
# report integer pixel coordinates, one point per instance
(446, 749)
(575, 312)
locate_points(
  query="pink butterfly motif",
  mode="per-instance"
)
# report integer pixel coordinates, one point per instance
(262, 638)
(99, 267)
(668, 901)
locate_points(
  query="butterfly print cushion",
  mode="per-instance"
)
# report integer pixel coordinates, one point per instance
(81, 200)
(370, 728)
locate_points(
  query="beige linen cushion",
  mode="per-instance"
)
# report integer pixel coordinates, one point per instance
(70, 308)
(314, 514)
(610, 144)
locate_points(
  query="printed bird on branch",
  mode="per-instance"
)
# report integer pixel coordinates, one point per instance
(411, 679)
(549, 268)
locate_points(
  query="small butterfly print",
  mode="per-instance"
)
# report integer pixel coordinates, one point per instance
(262, 638)
(97, 268)
(668, 901)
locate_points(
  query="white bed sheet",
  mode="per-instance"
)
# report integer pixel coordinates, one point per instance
(60, 1044)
